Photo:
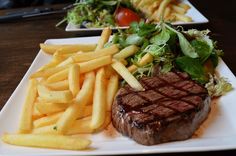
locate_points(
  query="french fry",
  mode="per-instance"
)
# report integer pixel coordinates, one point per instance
(51, 64)
(65, 49)
(74, 79)
(48, 141)
(54, 96)
(112, 88)
(60, 85)
(53, 118)
(161, 9)
(26, 115)
(105, 124)
(126, 52)
(62, 75)
(48, 72)
(167, 12)
(95, 64)
(36, 114)
(184, 6)
(127, 76)
(183, 18)
(49, 129)
(147, 58)
(81, 126)
(104, 38)
(82, 57)
(47, 120)
(178, 9)
(67, 61)
(77, 108)
(109, 71)
(49, 108)
(99, 100)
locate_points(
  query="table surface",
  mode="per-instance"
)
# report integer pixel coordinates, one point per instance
(19, 44)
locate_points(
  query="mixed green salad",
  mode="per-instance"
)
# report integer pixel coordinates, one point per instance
(101, 13)
(191, 51)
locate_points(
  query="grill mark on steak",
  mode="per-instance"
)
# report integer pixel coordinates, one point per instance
(167, 98)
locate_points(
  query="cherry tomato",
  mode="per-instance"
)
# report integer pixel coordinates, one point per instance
(126, 16)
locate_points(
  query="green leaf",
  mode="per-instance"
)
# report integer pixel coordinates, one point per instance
(134, 39)
(202, 48)
(161, 38)
(193, 67)
(143, 29)
(218, 86)
(110, 3)
(185, 46)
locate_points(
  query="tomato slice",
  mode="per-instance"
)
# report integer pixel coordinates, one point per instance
(125, 16)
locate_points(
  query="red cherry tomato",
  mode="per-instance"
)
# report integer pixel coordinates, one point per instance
(126, 16)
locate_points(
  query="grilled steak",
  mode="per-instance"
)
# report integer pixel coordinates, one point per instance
(171, 108)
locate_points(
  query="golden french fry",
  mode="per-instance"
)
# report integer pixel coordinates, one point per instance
(48, 141)
(127, 76)
(167, 12)
(77, 108)
(36, 114)
(147, 58)
(74, 79)
(99, 100)
(49, 108)
(106, 33)
(75, 48)
(47, 120)
(48, 72)
(60, 85)
(184, 6)
(183, 18)
(161, 9)
(126, 52)
(51, 64)
(26, 115)
(178, 9)
(67, 61)
(51, 49)
(95, 64)
(54, 96)
(112, 88)
(82, 57)
(53, 118)
(81, 126)
(49, 129)
(109, 71)
(62, 75)
(105, 124)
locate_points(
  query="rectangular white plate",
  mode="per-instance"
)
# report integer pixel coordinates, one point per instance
(217, 133)
(197, 17)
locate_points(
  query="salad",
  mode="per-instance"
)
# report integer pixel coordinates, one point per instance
(167, 48)
(113, 13)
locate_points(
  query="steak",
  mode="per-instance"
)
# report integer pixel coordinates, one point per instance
(171, 108)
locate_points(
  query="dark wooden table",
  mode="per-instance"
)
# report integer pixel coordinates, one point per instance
(19, 44)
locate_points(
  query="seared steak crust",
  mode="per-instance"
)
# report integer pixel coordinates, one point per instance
(171, 108)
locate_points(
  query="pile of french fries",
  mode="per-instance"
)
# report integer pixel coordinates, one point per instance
(168, 10)
(72, 94)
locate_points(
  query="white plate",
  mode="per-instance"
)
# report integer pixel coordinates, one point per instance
(196, 16)
(217, 133)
